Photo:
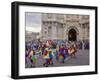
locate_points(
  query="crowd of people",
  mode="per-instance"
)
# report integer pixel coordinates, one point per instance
(49, 49)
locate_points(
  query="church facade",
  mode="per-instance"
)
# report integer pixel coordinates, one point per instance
(70, 27)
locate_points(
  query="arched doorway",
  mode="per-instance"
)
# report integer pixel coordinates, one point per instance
(72, 35)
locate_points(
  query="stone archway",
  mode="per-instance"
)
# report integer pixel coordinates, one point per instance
(72, 35)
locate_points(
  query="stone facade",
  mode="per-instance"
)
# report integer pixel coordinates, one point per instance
(69, 27)
(30, 36)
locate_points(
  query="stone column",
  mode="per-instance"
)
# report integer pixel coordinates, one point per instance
(54, 32)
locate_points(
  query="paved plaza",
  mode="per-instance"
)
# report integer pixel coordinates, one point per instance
(81, 58)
